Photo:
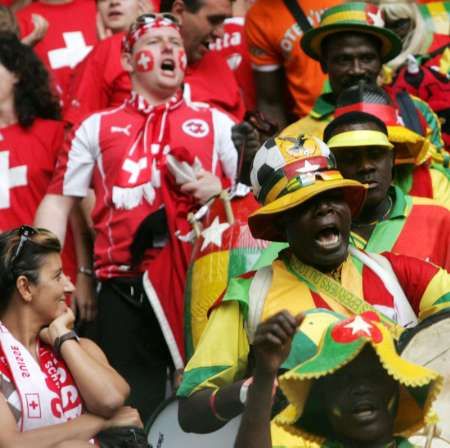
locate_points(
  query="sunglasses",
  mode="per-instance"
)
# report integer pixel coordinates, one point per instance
(148, 18)
(25, 233)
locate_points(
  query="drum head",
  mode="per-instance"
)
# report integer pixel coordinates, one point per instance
(430, 347)
(165, 432)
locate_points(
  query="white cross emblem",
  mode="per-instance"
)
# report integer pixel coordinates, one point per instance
(143, 61)
(70, 55)
(134, 168)
(10, 178)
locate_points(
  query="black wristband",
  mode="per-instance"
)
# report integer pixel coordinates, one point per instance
(59, 341)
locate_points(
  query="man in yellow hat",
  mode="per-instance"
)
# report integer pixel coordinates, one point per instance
(351, 44)
(308, 204)
(353, 391)
(389, 220)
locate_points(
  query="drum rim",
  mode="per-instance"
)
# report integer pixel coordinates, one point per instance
(407, 336)
(163, 405)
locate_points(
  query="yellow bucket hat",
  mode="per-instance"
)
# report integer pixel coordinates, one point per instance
(288, 171)
(341, 342)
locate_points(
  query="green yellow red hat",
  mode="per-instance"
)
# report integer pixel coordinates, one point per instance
(341, 342)
(287, 172)
(409, 146)
(355, 16)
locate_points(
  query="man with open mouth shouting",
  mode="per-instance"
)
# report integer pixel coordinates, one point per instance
(124, 154)
(308, 204)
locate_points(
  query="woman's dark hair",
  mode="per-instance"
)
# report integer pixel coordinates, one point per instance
(32, 94)
(27, 261)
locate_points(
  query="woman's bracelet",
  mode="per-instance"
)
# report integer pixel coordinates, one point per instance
(212, 405)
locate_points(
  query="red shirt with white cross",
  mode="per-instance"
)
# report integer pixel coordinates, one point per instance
(94, 155)
(70, 37)
(27, 162)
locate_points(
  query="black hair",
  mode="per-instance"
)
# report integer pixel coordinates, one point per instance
(191, 5)
(326, 40)
(28, 262)
(32, 94)
(349, 118)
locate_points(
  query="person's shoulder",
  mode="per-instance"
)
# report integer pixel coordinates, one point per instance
(264, 8)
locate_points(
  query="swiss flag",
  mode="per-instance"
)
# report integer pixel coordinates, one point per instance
(33, 405)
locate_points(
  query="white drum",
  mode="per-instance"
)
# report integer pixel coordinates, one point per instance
(428, 344)
(165, 432)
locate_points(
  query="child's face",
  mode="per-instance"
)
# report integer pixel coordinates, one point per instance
(361, 400)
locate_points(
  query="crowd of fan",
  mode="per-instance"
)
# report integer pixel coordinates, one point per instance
(120, 120)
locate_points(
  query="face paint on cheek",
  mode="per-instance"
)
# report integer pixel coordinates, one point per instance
(182, 60)
(144, 61)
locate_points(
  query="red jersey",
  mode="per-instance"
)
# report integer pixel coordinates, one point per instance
(27, 161)
(233, 47)
(101, 82)
(70, 37)
(97, 154)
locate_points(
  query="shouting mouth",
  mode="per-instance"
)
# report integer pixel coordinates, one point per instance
(168, 67)
(329, 237)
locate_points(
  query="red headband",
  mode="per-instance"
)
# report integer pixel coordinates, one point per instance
(385, 112)
(145, 23)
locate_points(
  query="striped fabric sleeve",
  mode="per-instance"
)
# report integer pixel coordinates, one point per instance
(426, 286)
(221, 354)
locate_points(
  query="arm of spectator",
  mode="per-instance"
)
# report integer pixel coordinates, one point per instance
(18, 4)
(270, 95)
(82, 428)
(53, 214)
(145, 6)
(103, 390)
(84, 300)
(272, 345)
(40, 27)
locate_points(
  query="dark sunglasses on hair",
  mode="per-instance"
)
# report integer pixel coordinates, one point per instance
(25, 233)
(152, 17)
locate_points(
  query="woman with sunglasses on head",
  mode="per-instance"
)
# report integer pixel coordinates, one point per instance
(57, 388)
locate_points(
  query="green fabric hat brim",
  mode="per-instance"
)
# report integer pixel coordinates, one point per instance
(311, 43)
(296, 385)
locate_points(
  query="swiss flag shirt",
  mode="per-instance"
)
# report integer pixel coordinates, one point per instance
(27, 161)
(70, 37)
(101, 82)
(94, 156)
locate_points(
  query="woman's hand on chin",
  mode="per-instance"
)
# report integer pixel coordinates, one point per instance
(61, 325)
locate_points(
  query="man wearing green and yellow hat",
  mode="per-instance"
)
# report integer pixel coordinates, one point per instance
(352, 391)
(351, 44)
(390, 220)
(308, 204)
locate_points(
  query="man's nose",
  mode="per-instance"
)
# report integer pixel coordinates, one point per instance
(357, 67)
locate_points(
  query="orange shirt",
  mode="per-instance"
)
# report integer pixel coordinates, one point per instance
(274, 41)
